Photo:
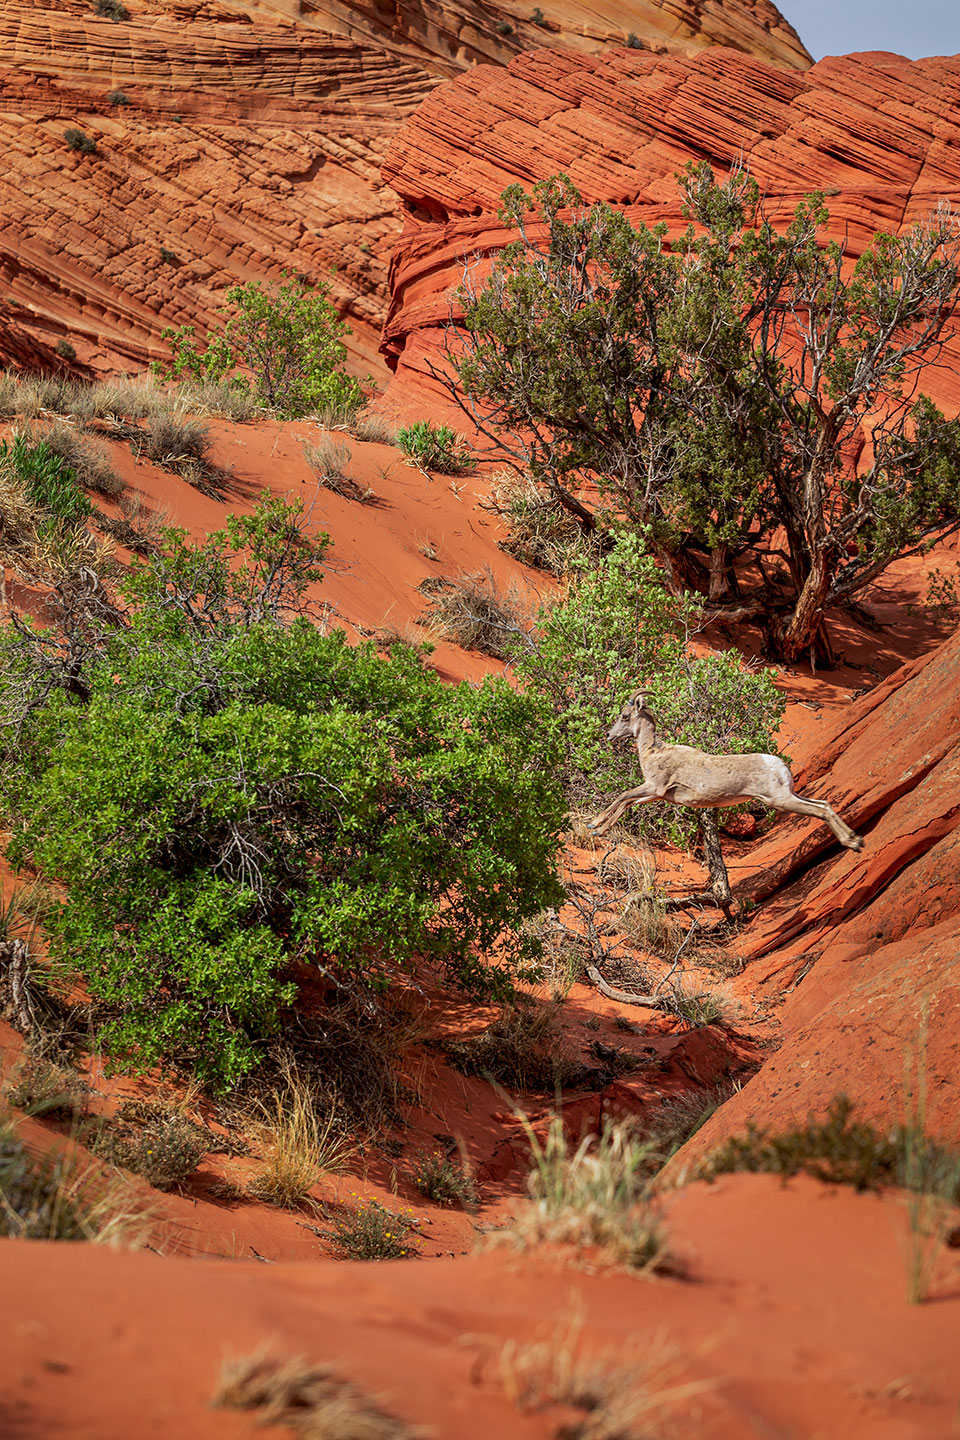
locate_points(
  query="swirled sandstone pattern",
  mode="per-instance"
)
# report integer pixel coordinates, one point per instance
(879, 134)
(234, 142)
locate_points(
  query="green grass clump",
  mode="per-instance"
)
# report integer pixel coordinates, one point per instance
(594, 1195)
(435, 447)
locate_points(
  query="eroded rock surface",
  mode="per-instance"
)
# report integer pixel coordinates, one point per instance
(879, 134)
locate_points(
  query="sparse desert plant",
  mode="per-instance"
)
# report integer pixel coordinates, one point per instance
(65, 350)
(943, 591)
(699, 1007)
(537, 17)
(444, 1180)
(375, 428)
(54, 1198)
(329, 460)
(299, 1146)
(172, 441)
(46, 1087)
(679, 1118)
(541, 533)
(930, 1175)
(619, 1396)
(369, 1231)
(313, 1400)
(522, 1049)
(156, 1142)
(435, 447)
(89, 461)
(839, 1150)
(595, 1194)
(111, 9)
(80, 141)
(117, 97)
(473, 613)
(504, 28)
(169, 257)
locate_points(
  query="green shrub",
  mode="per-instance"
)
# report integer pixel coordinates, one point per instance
(117, 97)
(65, 350)
(842, 1151)
(111, 9)
(234, 802)
(444, 1181)
(618, 629)
(169, 257)
(435, 447)
(538, 18)
(372, 1232)
(504, 27)
(79, 140)
(289, 340)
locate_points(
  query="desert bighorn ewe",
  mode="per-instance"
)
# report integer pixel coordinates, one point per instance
(684, 776)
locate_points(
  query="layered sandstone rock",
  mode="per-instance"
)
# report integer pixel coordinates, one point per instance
(251, 143)
(879, 134)
(445, 36)
(864, 948)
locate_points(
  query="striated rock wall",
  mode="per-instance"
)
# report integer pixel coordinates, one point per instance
(864, 948)
(446, 36)
(879, 134)
(251, 143)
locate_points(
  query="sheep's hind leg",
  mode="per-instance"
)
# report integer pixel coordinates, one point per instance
(798, 805)
(640, 795)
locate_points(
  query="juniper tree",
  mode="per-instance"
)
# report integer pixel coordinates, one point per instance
(716, 389)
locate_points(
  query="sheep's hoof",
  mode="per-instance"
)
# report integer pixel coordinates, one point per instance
(856, 843)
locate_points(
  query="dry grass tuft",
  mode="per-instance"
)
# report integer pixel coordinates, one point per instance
(376, 429)
(56, 1198)
(595, 1195)
(89, 460)
(329, 460)
(541, 533)
(473, 613)
(316, 1402)
(521, 1049)
(299, 1146)
(618, 1400)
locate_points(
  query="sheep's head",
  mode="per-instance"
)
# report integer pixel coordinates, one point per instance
(627, 723)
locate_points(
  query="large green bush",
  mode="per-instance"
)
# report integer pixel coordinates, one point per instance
(241, 803)
(617, 630)
(289, 340)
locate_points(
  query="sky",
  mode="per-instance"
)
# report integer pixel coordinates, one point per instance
(914, 28)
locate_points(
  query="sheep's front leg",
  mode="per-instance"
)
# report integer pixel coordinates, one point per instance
(640, 795)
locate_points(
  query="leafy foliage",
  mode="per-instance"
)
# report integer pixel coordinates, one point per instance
(618, 629)
(713, 388)
(47, 482)
(842, 1151)
(235, 800)
(290, 341)
(435, 447)
(82, 142)
(370, 1231)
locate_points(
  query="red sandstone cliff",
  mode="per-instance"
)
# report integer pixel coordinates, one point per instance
(249, 144)
(879, 134)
